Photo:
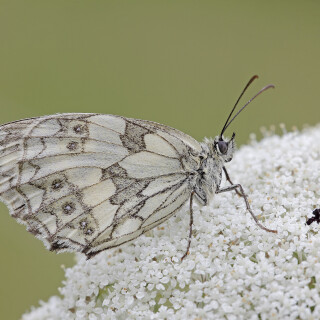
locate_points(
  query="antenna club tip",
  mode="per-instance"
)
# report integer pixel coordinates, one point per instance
(252, 79)
(269, 86)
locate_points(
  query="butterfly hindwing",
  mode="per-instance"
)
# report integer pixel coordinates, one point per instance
(89, 182)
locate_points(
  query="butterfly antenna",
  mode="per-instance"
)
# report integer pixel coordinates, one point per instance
(243, 91)
(262, 90)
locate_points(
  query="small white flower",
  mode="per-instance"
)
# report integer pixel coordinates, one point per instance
(140, 295)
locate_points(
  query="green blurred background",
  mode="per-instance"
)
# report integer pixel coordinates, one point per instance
(181, 63)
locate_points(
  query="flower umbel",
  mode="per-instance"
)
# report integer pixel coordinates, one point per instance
(234, 270)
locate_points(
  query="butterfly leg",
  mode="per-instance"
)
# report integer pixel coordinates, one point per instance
(190, 226)
(234, 187)
(229, 180)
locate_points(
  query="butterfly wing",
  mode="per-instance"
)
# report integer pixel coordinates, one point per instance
(90, 182)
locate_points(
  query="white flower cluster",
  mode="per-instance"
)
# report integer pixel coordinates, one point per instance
(234, 270)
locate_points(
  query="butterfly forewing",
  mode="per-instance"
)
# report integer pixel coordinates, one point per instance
(89, 182)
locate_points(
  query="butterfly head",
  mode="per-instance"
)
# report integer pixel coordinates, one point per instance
(224, 149)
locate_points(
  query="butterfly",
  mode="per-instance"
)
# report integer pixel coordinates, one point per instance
(90, 182)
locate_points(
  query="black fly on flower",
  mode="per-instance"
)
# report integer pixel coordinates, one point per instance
(315, 218)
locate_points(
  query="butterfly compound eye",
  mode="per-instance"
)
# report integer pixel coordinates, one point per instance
(223, 147)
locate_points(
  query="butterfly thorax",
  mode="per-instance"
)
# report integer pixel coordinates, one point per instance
(209, 173)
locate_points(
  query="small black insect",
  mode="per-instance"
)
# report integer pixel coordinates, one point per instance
(316, 217)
